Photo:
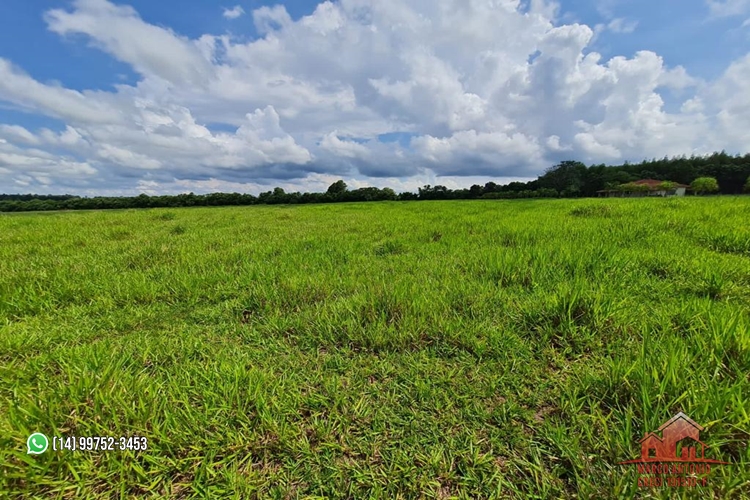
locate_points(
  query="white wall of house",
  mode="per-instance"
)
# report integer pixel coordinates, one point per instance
(671, 192)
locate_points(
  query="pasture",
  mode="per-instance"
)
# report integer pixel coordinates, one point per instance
(465, 349)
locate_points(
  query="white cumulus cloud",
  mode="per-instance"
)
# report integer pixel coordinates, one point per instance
(234, 12)
(473, 88)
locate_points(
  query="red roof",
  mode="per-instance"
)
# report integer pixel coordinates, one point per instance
(653, 183)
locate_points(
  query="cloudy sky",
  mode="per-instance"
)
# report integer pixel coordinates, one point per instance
(130, 96)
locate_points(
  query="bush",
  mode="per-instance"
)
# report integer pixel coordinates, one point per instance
(703, 185)
(632, 187)
(548, 193)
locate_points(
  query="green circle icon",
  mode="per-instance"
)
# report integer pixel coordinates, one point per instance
(37, 444)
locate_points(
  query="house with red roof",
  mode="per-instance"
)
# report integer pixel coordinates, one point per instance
(646, 187)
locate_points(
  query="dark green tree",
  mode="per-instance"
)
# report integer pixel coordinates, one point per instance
(566, 177)
(337, 188)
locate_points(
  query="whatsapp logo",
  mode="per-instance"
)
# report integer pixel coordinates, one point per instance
(37, 444)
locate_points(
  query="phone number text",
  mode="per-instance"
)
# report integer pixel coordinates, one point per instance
(99, 443)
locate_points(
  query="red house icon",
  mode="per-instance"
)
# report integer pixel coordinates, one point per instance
(679, 442)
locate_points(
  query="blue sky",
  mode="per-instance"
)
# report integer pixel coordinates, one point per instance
(101, 96)
(683, 33)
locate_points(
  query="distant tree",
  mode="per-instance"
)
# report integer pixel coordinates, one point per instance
(496, 195)
(547, 193)
(667, 186)
(649, 174)
(703, 185)
(408, 196)
(461, 194)
(388, 194)
(441, 192)
(566, 177)
(632, 187)
(434, 193)
(516, 186)
(337, 188)
(185, 200)
(142, 201)
(747, 186)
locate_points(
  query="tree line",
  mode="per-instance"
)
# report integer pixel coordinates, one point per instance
(568, 179)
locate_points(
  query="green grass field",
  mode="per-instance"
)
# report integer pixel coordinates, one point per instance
(496, 349)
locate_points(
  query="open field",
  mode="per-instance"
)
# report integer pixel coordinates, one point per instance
(498, 349)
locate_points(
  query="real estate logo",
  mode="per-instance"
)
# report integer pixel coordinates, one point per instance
(677, 458)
